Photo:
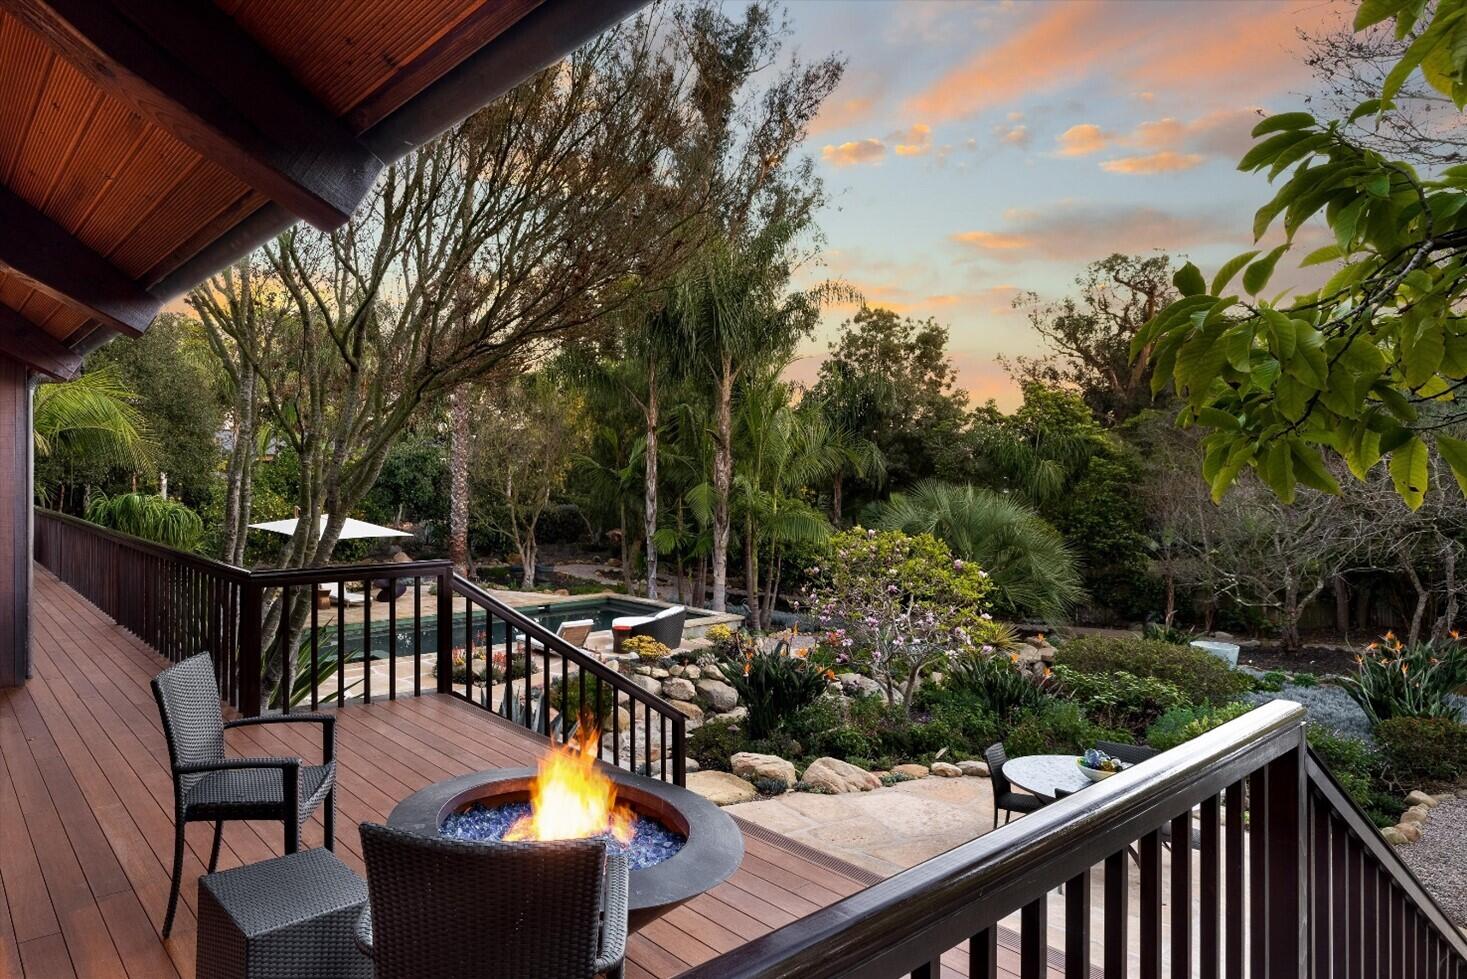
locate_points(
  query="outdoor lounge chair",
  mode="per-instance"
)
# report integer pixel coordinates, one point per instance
(573, 891)
(575, 632)
(208, 787)
(1004, 796)
(666, 626)
(347, 597)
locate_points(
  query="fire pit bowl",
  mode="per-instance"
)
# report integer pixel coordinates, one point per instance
(713, 850)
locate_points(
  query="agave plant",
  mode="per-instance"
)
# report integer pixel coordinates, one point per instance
(1393, 679)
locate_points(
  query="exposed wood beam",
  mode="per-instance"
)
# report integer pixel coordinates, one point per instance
(22, 340)
(192, 70)
(48, 258)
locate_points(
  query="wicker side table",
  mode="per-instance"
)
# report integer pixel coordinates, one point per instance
(293, 917)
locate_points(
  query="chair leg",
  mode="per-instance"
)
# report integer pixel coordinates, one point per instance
(292, 834)
(177, 873)
(1007, 815)
(617, 971)
(330, 820)
(214, 853)
(995, 815)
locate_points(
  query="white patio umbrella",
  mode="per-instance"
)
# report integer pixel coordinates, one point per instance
(353, 529)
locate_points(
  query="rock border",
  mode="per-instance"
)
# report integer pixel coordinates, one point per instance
(1413, 821)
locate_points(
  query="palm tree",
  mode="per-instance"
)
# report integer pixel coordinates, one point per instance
(1031, 566)
(92, 418)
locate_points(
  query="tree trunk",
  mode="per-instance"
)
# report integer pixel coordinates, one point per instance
(1290, 626)
(626, 550)
(700, 584)
(528, 548)
(458, 481)
(1171, 600)
(1422, 594)
(835, 488)
(650, 490)
(722, 483)
(1342, 606)
(751, 574)
(1448, 620)
(239, 477)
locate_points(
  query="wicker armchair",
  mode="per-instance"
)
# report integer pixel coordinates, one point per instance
(1004, 796)
(1131, 754)
(208, 787)
(539, 910)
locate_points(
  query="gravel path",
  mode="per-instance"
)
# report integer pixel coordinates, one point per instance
(1439, 858)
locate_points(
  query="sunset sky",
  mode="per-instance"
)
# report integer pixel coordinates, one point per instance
(977, 149)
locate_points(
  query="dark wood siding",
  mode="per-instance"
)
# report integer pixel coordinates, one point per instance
(15, 518)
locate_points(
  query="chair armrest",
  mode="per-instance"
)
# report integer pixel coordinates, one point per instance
(364, 932)
(614, 913)
(327, 722)
(231, 763)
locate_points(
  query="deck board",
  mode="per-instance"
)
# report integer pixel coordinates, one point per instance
(86, 813)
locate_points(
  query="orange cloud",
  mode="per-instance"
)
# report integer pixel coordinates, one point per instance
(1059, 46)
(838, 113)
(914, 142)
(1166, 161)
(1083, 139)
(992, 240)
(1012, 135)
(854, 152)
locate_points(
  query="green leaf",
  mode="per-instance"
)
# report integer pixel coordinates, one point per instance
(1309, 363)
(1256, 276)
(1268, 150)
(1309, 469)
(1277, 471)
(1188, 280)
(1395, 402)
(1417, 52)
(1230, 268)
(1292, 398)
(1319, 256)
(1372, 12)
(1238, 345)
(1423, 356)
(1409, 472)
(1454, 454)
(1283, 121)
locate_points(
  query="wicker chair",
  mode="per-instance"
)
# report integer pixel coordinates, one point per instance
(1004, 796)
(208, 787)
(1131, 754)
(538, 910)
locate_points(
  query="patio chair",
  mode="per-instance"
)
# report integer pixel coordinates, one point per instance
(208, 787)
(575, 632)
(539, 910)
(666, 626)
(346, 597)
(1131, 754)
(1004, 796)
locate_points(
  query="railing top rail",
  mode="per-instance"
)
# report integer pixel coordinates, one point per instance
(1383, 853)
(971, 887)
(550, 640)
(219, 568)
(327, 574)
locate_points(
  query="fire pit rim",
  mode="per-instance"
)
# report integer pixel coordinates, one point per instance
(714, 848)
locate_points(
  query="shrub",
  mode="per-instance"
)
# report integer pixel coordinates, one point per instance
(1181, 724)
(1201, 676)
(1393, 679)
(1358, 768)
(567, 699)
(1422, 749)
(1120, 699)
(1058, 727)
(1305, 680)
(843, 743)
(775, 684)
(770, 786)
(645, 647)
(714, 742)
(1161, 632)
(997, 682)
(150, 517)
(1272, 682)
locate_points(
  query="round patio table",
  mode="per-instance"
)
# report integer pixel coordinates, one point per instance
(1042, 774)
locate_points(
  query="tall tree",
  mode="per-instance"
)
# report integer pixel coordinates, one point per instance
(1089, 335)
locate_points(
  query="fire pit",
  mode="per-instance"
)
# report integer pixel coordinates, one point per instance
(678, 843)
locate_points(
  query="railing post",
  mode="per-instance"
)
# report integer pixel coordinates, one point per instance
(1285, 842)
(251, 603)
(444, 652)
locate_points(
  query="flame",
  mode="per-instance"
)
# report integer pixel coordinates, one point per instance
(571, 800)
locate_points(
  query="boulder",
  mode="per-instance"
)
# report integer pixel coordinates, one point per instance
(623, 720)
(1416, 814)
(657, 673)
(834, 775)
(690, 765)
(911, 771)
(736, 715)
(718, 694)
(690, 710)
(692, 672)
(678, 688)
(722, 788)
(675, 670)
(944, 769)
(978, 769)
(1392, 836)
(754, 766)
(647, 683)
(1419, 798)
(1410, 832)
(856, 685)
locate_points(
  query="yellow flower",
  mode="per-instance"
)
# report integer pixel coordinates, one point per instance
(1390, 634)
(1454, 634)
(829, 674)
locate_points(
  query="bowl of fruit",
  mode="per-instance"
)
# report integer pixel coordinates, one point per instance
(1097, 765)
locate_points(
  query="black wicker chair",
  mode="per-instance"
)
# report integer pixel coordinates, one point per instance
(538, 910)
(1131, 754)
(208, 787)
(1004, 796)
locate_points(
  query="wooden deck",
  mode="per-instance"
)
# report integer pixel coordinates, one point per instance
(86, 814)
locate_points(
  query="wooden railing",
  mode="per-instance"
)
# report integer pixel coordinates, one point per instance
(1272, 891)
(273, 649)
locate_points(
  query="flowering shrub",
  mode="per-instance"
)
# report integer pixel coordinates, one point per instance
(500, 669)
(1393, 679)
(775, 684)
(902, 603)
(645, 647)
